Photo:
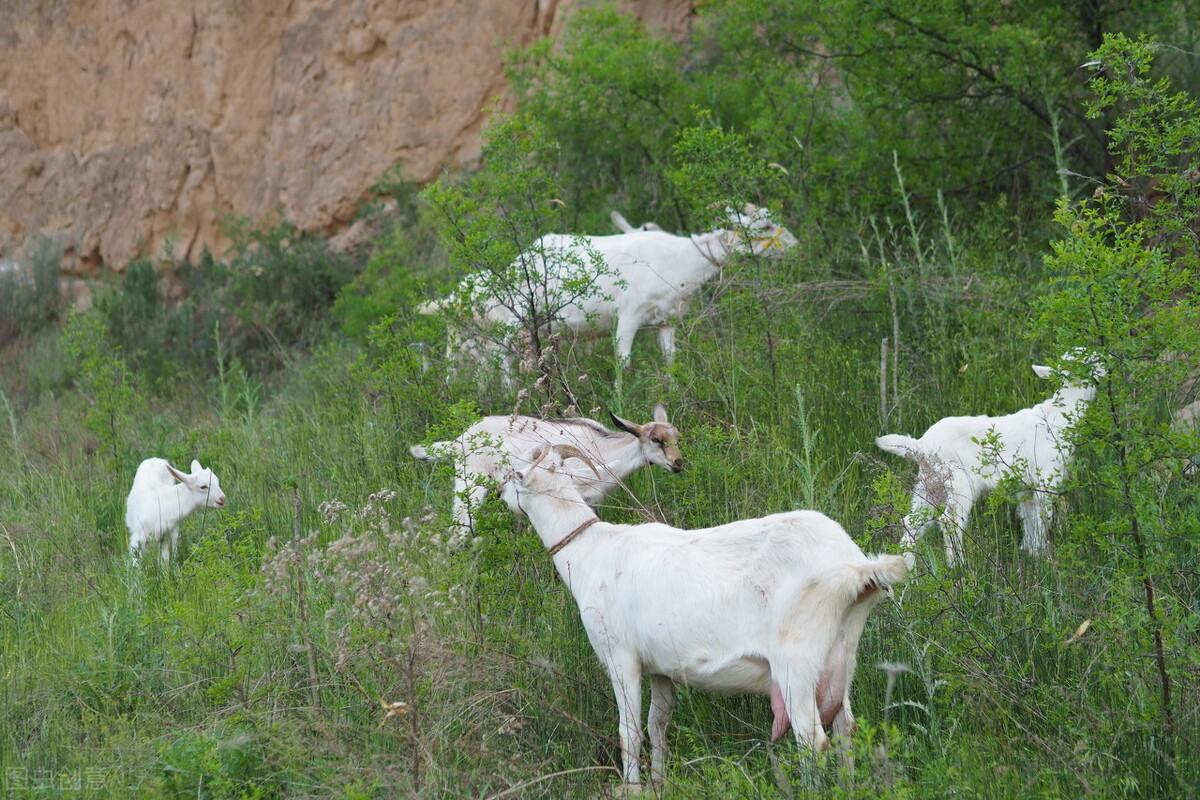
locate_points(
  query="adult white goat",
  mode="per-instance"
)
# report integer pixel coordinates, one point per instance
(952, 474)
(647, 279)
(771, 606)
(157, 504)
(491, 448)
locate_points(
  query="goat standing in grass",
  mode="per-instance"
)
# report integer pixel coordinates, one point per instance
(494, 446)
(772, 606)
(161, 498)
(952, 474)
(647, 278)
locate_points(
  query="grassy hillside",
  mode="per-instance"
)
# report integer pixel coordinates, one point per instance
(263, 664)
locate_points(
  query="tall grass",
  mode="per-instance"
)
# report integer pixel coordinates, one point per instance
(265, 662)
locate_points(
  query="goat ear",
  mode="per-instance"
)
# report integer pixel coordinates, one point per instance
(626, 425)
(196, 466)
(176, 474)
(660, 412)
(1043, 372)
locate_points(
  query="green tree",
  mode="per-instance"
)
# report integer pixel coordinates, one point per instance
(517, 283)
(612, 95)
(1124, 289)
(104, 381)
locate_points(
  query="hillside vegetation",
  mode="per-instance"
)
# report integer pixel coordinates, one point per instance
(968, 200)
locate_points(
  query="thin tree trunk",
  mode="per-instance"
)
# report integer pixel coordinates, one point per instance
(314, 685)
(883, 382)
(1135, 529)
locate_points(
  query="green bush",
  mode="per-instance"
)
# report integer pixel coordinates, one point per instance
(272, 294)
(278, 285)
(29, 293)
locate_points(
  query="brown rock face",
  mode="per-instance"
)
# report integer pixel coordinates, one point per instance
(126, 125)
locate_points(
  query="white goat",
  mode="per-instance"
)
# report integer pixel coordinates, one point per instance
(771, 606)
(494, 446)
(622, 224)
(649, 280)
(157, 504)
(952, 474)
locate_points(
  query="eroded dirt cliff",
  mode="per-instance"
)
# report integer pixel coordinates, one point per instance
(128, 124)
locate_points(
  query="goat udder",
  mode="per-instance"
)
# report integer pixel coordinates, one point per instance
(782, 723)
(831, 690)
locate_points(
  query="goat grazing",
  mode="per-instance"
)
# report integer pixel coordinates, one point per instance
(771, 606)
(648, 280)
(157, 504)
(492, 447)
(622, 224)
(952, 474)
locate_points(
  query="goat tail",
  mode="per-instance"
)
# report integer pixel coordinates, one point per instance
(898, 444)
(620, 222)
(881, 573)
(868, 580)
(435, 452)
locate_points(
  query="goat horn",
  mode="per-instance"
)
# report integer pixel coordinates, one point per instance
(571, 451)
(538, 454)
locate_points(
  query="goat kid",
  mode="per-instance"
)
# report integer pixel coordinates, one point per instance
(952, 475)
(491, 448)
(157, 504)
(771, 606)
(649, 280)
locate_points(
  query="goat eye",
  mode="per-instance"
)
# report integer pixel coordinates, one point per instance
(203, 488)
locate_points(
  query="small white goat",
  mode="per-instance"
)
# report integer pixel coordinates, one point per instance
(157, 504)
(650, 279)
(771, 606)
(951, 475)
(622, 224)
(494, 446)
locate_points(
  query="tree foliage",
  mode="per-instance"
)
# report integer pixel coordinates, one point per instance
(1123, 289)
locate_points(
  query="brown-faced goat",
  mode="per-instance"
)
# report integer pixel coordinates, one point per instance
(491, 448)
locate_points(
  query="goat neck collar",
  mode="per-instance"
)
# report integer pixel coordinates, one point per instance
(572, 536)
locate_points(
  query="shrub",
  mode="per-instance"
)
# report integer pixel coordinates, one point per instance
(491, 226)
(29, 295)
(279, 283)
